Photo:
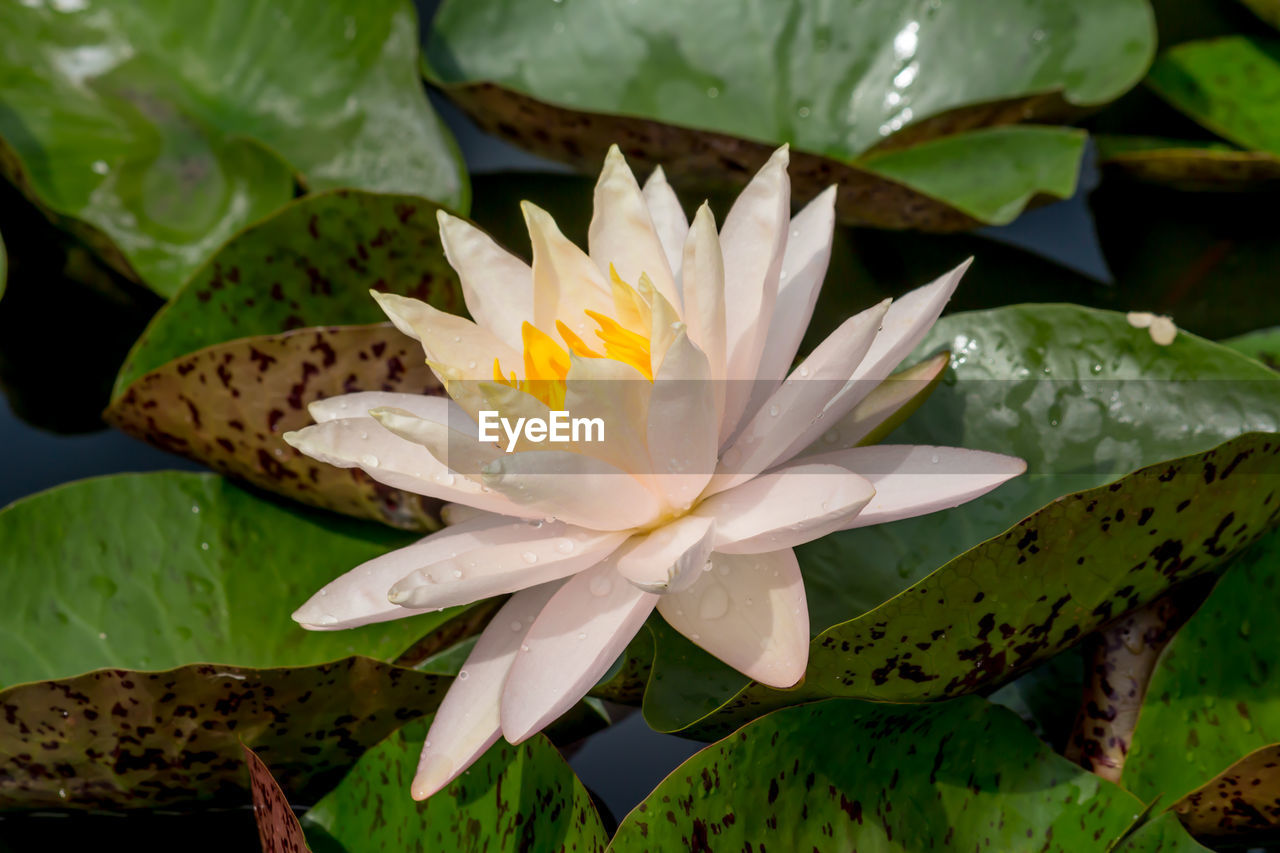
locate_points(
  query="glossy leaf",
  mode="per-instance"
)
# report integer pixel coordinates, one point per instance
(1264, 345)
(888, 627)
(227, 406)
(851, 775)
(311, 264)
(513, 798)
(147, 629)
(278, 827)
(1187, 164)
(1209, 732)
(158, 130)
(699, 90)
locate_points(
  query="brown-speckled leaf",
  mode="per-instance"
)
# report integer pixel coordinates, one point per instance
(227, 406)
(278, 827)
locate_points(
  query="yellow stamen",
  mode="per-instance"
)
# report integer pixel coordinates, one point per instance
(576, 346)
(630, 306)
(622, 344)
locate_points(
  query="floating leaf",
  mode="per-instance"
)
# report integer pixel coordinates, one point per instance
(708, 91)
(227, 406)
(1209, 734)
(147, 630)
(278, 827)
(1267, 10)
(312, 264)
(888, 627)
(964, 775)
(1187, 164)
(157, 130)
(1264, 345)
(513, 798)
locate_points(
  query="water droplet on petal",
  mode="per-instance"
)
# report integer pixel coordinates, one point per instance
(530, 557)
(517, 625)
(524, 647)
(463, 675)
(369, 460)
(582, 635)
(565, 546)
(457, 573)
(601, 585)
(803, 371)
(773, 411)
(364, 435)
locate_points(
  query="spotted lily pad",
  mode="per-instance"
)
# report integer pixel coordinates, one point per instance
(311, 264)
(846, 775)
(158, 130)
(278, 827)
(513, 798)
(147, 631)
(1208, 738)
(707, 91)
(1187, 164)
(227, 406)
(898, 616)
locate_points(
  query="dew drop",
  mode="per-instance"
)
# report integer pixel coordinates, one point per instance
(530, 557)
(195, 508)
(565, 546)
(323, 593)
(457, 573)
(934, 459)
(601, 585)
(713, 92)
(581, 636)
(364, 435)
(102, 636)
(803, 371)
(536, 523)
(463, 675)
(773, 411)
(370, 460)
(101, 167)
(831, 436)
(204, 546)
(517, 625)
(524, 647)
(708, 566)
(457, 339)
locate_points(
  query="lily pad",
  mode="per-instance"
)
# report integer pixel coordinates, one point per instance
(311, 264)
(964, 774)
(1208, 737)
(156, 130)
(1267, 10)
(227, 405)
(889, 627)
(708, 91)
(147, 632)
(1187, 164)
(278, 827)
(513, 798)
(1264, 345)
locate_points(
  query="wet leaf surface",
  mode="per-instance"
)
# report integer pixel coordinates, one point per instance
(849, 775)
(888, 627)
(139, 648)
(709, 93)
(513, 798)
(278, 827)
(156, 131)
(311, 264)
(227, 406)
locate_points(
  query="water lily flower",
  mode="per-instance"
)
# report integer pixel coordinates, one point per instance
(718, 457)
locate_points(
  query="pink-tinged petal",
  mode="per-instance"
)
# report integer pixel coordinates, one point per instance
(668, 218)
(453, 444)
(490, 570)
(459, 344)
(802, 400)
(913, 480)
(361, 402)
(804, 265)
(905, 324)
(467, 722)
(622, 232)
(573, 487)
(452, 514)
(883, 409)
(496, 285)
(512, 403)
(359, 597)
(788, 507)
(572, 643)
(618, 395)
(669, 558)
(683, 427)
(363, 443)
(566, 282)
(754, 238)
(750, 612)
(703, 284)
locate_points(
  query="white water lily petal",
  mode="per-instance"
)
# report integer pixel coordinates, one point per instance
(360, 403)
(804, 265)
(363, 443)
(618, 395)
(669, 221)
(359, 597)
(750, 612)
(664, 324)
(703, 283)
(753, 239)
(572, 643)
(573, 487)
(787, 507)
(458, 449)
(496, 285)
(453, 514)
(683, 428)
(800, 401)
(891, 400)
(467, 723)
(915, 479)
(566, 283)
(459, 344)
(554, 551)
(905, 324)
(669, 558)
(622, 233)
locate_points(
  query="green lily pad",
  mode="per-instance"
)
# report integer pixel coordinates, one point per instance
(707, 92)
(1209, 733)
(311, 264)
(513, 798)
(147, 632)
(1188, 164)
(888, 626)
(1264, 345)
(964, 775)
(1226, 84)
(228, 405)
(156, 131)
